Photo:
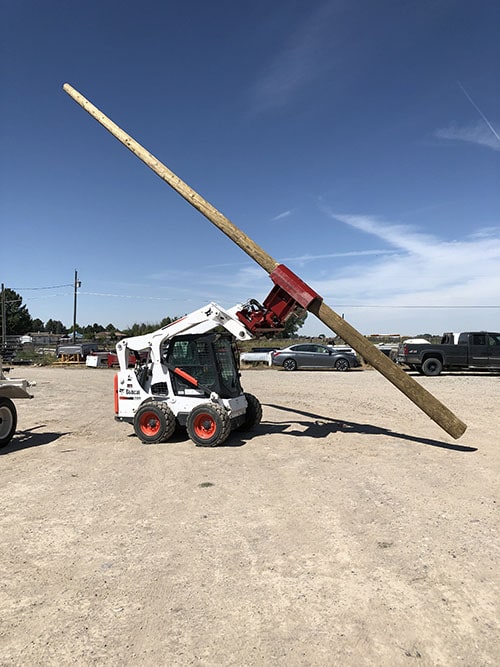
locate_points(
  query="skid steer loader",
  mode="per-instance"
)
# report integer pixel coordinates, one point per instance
(187, 373)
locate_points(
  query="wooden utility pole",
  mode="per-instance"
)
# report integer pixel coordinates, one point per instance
(405, 383)
(76, 285)
(4, 317)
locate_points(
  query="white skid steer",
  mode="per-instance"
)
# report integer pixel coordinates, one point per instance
(187, 373)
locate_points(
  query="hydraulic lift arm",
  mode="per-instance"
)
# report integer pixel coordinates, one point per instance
(199, 321)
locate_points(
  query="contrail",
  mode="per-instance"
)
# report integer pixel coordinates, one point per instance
(495, 133)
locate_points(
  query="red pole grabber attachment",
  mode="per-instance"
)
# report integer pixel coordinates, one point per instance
(289, 296)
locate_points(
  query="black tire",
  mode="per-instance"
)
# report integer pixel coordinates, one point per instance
(253, 414)
(342, 365)
(432, 366)
(154, 422)
(290, 365)
(8, 421)
(208, 425)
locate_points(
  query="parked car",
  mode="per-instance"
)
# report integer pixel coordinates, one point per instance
(309, 355)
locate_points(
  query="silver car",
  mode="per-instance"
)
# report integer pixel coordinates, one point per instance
(310, 355)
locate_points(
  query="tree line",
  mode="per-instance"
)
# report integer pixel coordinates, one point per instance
(16, 320)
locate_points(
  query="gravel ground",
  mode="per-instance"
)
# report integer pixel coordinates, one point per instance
(347, 530)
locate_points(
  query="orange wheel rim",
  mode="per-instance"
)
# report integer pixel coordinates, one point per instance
(204, 426)
(149, 423)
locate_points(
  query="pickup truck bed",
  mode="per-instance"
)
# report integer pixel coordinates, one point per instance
(258, 356)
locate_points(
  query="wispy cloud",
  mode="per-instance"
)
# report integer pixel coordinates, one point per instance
(281, 216)
(423, 270)
(488, 124)
(482, 133)
(474, 134)
(297, 63)
(410, 268)
(333, 255)
(374, 288)
(227, 288)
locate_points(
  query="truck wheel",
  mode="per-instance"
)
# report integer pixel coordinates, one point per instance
(342, 365)
(432, 366)
(290, 365)
(154, 422)
(208, 425)
(8, 421)
(253, 414)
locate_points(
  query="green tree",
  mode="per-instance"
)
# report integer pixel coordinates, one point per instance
(293, 324)
(55, 327)
(37, 325)
(111, 332)
(17, 318)
(140, 329)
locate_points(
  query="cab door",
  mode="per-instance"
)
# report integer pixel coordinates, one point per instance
(493, 350)
(322, 356)
(478, 350)
(306, 357)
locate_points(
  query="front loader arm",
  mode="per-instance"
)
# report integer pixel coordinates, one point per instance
(199, 321)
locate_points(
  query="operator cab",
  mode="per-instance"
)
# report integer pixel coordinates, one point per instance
(209, 359)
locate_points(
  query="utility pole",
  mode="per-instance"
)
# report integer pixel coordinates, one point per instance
(4, 318)
(77, 285)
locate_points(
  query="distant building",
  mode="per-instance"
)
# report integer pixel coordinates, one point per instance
(43, 338)
(391, 336)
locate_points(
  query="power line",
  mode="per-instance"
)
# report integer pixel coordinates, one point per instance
(130, 296)
(39, 288)
(117, 296)
(357, 305)
(338, 305)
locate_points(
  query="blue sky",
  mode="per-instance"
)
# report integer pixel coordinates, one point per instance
(356, 142)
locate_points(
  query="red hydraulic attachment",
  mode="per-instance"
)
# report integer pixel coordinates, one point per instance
(289, 295)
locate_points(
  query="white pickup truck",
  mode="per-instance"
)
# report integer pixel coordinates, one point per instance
(258, 355)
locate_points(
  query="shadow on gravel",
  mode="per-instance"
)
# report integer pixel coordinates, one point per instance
(323, 426)
(25, 439)
(234, 440)
(458, 374)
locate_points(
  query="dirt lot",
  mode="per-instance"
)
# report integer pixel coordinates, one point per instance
(348, 530)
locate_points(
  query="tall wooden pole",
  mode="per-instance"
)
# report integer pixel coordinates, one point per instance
(4, 317)
(75, 293)
(405, 383)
